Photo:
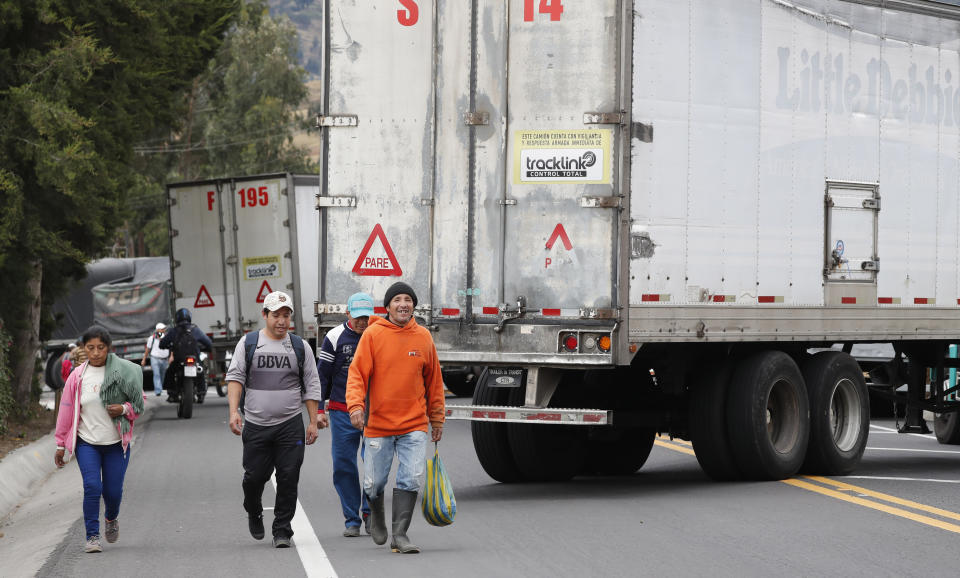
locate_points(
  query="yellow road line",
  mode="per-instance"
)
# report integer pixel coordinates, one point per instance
(886, 497)
(674, 447)
(874, 505)
(857, 500)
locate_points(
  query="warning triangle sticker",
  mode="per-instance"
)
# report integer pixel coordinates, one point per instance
(203, 298)
(264, 291)
(561, 233)
(382, 262)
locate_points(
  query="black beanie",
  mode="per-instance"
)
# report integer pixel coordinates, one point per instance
(396, 289)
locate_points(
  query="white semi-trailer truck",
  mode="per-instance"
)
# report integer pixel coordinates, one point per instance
(649, 216)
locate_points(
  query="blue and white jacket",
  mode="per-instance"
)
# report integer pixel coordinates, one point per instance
(333, 364)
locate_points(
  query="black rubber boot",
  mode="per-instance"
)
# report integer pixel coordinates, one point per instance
(378, 521)
(404, 501)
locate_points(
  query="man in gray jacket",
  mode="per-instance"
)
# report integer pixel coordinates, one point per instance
(273, 388)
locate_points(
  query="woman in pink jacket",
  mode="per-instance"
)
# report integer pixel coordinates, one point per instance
(100, 402)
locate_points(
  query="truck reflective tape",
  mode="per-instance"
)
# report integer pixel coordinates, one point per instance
(848, 300)
(542, 416)
(494, 310)
(770, 299)
(656, 297)
(449, 311)
(724, 298)
(924, 301)
(885, 300)
(551, 312)
(594, 417)
(490, 414)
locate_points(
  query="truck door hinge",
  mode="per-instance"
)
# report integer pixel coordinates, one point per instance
(873, 203)
(604, 202)
(476, 118)
(174, 233)
(426, 202)
(336, 120)
(507, 202)
(329, 202)
(870, 265)
(603, 117)
(508, 313)
(232, 260)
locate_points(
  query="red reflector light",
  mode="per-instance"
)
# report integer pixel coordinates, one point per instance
(570, 342)
(191, 360)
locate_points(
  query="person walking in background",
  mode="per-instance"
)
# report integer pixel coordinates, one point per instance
(396, 368)
(269, 374)
(78, 355)
(66, 365)
(100, 402)
(159, 358)
(334, 357)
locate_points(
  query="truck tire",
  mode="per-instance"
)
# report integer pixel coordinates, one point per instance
(490, 439)
(947, 428)
(839, 413)
(52, 371)
(768, 418)
(546, 453)
(621, 456)
(708, 423)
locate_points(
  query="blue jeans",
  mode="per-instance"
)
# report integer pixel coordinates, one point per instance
(159, 367)
(378, 459)
(103, 469)
(345, 440)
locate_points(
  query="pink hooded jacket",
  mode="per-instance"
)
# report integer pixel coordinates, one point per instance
(68, 419)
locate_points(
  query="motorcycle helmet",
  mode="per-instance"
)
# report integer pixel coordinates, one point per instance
(182, 315)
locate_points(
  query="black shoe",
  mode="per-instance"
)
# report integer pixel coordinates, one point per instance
(256, 526)
(281, 542)
(173, 398)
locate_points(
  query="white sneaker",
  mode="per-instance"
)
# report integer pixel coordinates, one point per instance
(93, 545)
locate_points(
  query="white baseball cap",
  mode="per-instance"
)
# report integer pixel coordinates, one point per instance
(276, 300)
(160, 326)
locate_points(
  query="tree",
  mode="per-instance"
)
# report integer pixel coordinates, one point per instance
(81, 81)
(242, 115)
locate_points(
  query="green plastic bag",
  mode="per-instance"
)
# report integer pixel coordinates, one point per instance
(439, 506)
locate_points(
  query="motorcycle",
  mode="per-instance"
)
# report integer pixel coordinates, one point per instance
(192, 385)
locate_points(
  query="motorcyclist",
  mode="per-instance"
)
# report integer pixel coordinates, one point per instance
(172, 342)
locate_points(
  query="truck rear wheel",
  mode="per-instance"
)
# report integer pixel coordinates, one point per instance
(708, 423)
(768, 416)
(490, 439)
(839, 413)
(947, 428)
(546, 453)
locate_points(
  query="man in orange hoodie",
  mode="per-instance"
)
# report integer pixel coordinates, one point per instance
(394, 389)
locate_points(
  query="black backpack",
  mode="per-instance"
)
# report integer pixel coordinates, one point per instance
(185, 344)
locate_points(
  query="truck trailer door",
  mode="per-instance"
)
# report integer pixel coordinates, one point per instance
(562, 129)
(377, 151)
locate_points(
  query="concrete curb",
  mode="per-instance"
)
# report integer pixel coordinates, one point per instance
(25, 469)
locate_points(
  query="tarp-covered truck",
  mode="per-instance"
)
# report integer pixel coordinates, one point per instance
(654, 215)
(128, 297)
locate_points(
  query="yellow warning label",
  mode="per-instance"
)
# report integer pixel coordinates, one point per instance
(261, 267)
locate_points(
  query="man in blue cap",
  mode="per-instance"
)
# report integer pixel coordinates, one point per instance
(333, 364)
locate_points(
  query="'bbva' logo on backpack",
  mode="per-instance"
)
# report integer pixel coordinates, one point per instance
(273, 362)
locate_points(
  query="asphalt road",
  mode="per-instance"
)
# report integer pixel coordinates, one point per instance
(182, 516)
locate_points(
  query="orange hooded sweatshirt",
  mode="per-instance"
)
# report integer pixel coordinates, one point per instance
(399, 369)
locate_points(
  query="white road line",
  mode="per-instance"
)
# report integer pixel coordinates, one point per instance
(312, 555)
(913, 450)
(902, 479)
(891, 430)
